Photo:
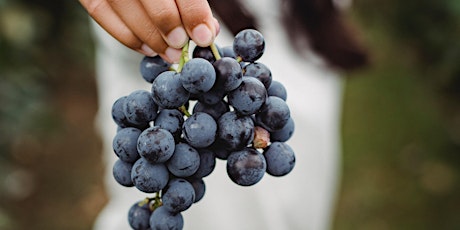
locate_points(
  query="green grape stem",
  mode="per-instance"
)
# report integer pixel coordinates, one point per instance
(215, 51)
(184, 56)
(184, 111)
(152, 205)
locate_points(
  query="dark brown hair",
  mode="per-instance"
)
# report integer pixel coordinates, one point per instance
(317, 23)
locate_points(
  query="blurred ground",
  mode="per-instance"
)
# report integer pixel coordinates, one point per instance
(401, 123)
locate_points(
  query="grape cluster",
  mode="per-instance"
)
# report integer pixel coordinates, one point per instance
(239, 114)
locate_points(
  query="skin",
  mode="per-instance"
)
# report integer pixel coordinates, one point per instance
(154, 27)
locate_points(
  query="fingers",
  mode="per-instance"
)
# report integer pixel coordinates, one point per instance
(155, 27)
(104, 15)
(199, 23)
(165, 15)
(137, 19)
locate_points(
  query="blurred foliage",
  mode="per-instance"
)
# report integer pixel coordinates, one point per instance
(46, 58)
(428, 30)
(33, 37)
(401, 122)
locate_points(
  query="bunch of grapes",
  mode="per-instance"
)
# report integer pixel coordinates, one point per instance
(239, 114)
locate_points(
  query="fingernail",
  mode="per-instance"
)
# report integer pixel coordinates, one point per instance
(177, 37)
(202, 35)
(147, 51)
(173, 54)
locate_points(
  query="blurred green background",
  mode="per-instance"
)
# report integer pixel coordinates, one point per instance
(401, 118)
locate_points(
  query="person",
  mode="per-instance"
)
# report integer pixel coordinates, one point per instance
(308, 45)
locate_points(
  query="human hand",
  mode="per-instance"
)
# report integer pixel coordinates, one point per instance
(154, 27)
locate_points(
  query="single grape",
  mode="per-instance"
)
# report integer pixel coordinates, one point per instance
(185, 161)
(168, 91)
(274, 114)
(216, 110)
(198, 75)
(122, 173)
(207, 163)
(139, 216)
(179, 195)
(280, 159)
(125, 144)
(219, 150)
(199, 130)
(161, 219)
(227, 51)
(246, 167)
(235, 131)
(170, 120)
(212, 97)
(285, 133)
(249, 44)
(151, 67)
(259, 71)
(248, 97)
(199, 186)
(156, 144)
(205, 53)
(118, 115)
(139, 108)
(277, 89)
(148, 177)
(228, 74)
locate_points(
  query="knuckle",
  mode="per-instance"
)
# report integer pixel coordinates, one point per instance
(165, 20)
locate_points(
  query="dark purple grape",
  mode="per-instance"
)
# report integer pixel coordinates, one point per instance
(148, 177)
(168, 91)
(139, 108)
(122, 173)
(280, 159)
(213, 96)
(124, 144)
(207, 163)
(118, 115)
(235, 132)
(205, 53)
(277, 89)
(172, 121)
(274, 114)
(161, 219)
(218, 147)
(156, 145)
(198, 76)
(179, 195)
(199, 186)
(139, 216)
(185, 161)
(216, 110)
(199, 130)
(227, 51)
(248, 97)
(228, 74)
(151, 67)
(285, 133)
(249, 44)
(246, 167)
(259, 71)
